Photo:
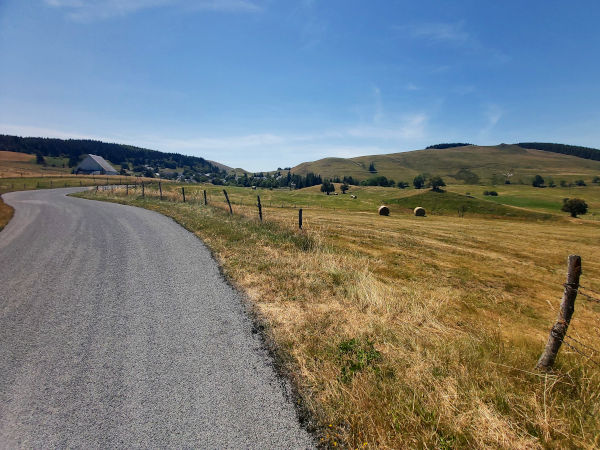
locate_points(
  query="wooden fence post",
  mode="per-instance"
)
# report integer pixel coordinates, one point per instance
(183, 193)
(259, 208)
(160, 189)
(127, 189)
(205, 202)
(228, 202)
(300, 218)
(143, 191)
(567, 307)
(50, 184)
(107, 181)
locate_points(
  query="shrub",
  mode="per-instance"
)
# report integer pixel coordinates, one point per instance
(580, 183)
(419, 181)
(327, 187)
(574, 206)
(492, 193)
(436, 183)
(538, 181)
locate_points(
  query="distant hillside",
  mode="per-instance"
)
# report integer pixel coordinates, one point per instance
(470, 164)
(135, 158)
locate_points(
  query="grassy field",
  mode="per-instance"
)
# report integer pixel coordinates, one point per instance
(403, 331)
(484, 161)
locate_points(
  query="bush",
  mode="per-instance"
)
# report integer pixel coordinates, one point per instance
(538, 181)
(327, 187)
(492, 193)
(574, 206)
(580, 183)
(419, 181)
(436, 183)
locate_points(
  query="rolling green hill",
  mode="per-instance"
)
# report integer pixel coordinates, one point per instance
(458, 164)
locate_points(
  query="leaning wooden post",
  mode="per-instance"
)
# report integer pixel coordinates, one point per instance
(205, 202)
(259, 208)
(143, 191)
(183, 193)
(160, 189)
(567, 307)
(300, 218)
(228, 202)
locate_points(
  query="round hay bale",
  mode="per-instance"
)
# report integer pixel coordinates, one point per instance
(419, 211)
(384, 210)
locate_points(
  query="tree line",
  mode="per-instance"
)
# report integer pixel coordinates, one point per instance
(573, 150)
(126, 155)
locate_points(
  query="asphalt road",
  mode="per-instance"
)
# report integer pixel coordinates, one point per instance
(117, 330)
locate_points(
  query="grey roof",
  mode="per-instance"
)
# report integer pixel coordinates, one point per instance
(86, 164)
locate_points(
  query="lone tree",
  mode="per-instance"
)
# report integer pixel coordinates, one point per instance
(436, 183)
(39, 159)
(538, 181)
(344, 187)
(372, 167)
(574, 206)
(419, 181)
(327, 187)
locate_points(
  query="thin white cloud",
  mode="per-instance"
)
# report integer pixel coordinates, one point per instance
(85, 11)
(438, 32)
(492, 114)
(378, 115)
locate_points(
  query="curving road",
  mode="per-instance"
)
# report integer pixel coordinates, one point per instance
(117, 330)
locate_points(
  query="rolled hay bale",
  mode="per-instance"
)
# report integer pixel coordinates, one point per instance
(384, 210)
(352, 196)
(420, 211)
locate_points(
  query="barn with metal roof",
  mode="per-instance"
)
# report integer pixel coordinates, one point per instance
(95, 165)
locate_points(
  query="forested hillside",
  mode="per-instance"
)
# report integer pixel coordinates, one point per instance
(573, 150)
(134, 158)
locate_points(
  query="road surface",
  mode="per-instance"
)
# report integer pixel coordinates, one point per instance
(117, 330)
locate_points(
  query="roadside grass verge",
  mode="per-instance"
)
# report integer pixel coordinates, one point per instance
(404, 332)
(6, 213)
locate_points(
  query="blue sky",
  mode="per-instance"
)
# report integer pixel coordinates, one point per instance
(262, 83)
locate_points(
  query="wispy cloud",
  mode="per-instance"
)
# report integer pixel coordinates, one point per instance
(85, 11)
(438, 32)
(378, 115)
(492, 114)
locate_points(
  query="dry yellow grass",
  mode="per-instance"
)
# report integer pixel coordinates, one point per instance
(14, 156)
(404, 332)
(6, 213)
(14, 164)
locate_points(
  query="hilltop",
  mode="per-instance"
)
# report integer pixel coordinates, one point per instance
(469, 164)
